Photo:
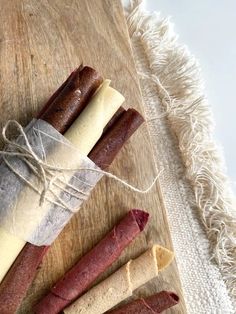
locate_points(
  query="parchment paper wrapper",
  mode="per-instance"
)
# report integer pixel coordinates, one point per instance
(22, 213)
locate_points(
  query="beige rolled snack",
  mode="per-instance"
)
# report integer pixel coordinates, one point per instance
(84, 133)
(10, 247)
(88, 127)
(120, 285)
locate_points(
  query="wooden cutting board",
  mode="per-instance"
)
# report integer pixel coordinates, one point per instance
(41, 42)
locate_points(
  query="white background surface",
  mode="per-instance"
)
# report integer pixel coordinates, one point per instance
(208, 28)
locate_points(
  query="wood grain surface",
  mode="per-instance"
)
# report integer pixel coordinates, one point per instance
(41, 42)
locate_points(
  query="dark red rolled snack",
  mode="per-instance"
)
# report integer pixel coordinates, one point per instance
(27, 267)
(72, 99)
(95, 262)
(12, 288)
(115, 137)
(116, 116)
(58, 91)
(156, 303)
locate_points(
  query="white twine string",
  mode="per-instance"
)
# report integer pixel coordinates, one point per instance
(48, 174)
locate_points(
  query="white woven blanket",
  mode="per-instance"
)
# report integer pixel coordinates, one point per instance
(197, 195)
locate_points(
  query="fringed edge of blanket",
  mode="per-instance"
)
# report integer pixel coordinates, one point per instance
(181, 93)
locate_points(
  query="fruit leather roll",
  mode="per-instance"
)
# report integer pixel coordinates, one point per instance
(156, 303)
(57, 92)
(106, 150)
(69, 101)
(94, 263)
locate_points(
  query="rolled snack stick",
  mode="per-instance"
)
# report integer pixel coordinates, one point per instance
(87, 81)
(116, 116)
(156, 303)
(57, 92)
(88, 127)
(20, 276)
(95, 262)
(121, 284)
(10, 294)
(72, 99)
(114, 138)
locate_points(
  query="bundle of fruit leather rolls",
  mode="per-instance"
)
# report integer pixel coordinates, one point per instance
(86, 110)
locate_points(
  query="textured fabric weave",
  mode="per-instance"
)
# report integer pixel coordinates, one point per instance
(154, 49)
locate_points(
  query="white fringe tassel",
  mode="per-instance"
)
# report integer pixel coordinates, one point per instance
(180, 89)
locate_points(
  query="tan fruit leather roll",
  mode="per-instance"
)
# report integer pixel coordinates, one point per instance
(84, 136)
(121, 284)
(88, 127)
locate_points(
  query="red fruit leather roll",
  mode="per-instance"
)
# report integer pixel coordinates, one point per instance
(58, 91)
(156, 303)
(114, 138)
(16, 282)
(94, 263)
(116, 116)
(67, 103)
(12, 291)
